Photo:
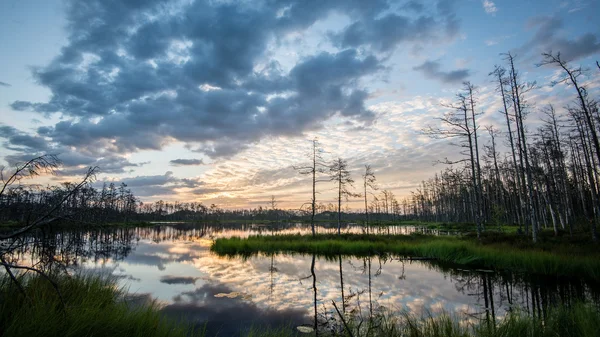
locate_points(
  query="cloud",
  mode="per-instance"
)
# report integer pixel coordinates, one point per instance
(431, 69)
(151, 73)
(4, 84)
(17, 140)
(150, 180)
(549, 37)
(203, 191)
(414, 6)
(386, 32)
(156, 185)
(169, 279)
(74, 161)
(186, 162)
(489, 7)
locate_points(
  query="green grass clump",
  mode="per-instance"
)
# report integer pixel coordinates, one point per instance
(93, 307)
(499, 254)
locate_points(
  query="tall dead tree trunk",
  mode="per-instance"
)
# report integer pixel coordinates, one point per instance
(499, 72)
(516, 88)
(572, 77)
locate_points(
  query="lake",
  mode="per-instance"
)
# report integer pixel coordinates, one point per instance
(172, 264)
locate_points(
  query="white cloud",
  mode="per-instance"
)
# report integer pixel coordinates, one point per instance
(489, 7)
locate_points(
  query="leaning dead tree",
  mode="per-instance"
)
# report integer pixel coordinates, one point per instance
(9, 242)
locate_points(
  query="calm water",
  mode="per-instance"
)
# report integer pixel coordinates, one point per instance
(173, 264)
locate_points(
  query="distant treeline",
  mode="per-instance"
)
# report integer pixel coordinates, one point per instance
(117, 203)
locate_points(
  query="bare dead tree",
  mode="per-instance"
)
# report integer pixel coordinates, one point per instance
(273, 203)
(518, 89)
(492, 153)
(469, 89)
(457, 124)
(369, 182)
(316, 167)
(500, 72)
(339, 174)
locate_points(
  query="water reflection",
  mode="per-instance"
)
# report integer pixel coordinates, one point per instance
(245, 230)
(173, 264)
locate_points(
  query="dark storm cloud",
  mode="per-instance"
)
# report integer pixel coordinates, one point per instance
(186, 162)
(548, 38)
(136, 75)
(4, 84)
(431, 69)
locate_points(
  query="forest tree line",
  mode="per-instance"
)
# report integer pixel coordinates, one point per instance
(117, 203)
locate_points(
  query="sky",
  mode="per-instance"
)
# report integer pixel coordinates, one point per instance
(218, 101)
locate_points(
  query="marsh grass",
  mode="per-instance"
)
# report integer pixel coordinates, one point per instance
(579, 320)
(500, 253)
(94, 307)
(283, 331)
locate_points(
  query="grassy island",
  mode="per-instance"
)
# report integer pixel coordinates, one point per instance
(569, 257)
